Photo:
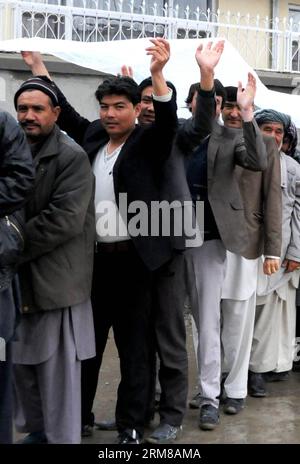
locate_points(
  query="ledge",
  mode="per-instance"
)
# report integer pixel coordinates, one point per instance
(14, 62)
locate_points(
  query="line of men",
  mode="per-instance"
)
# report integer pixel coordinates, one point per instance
(72, 294)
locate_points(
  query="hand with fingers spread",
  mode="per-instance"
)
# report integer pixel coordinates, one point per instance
(207, 57)
(271, 265)
(245, 98)
(160, 54)
(35, 63)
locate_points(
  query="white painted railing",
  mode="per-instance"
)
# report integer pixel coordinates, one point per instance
(264, 43)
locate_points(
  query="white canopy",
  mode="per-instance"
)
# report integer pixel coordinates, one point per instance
(182, 68)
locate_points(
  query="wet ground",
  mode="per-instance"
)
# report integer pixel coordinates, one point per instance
(274, 419)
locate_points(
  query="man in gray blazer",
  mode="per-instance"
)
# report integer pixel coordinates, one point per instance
(168, 316)
(211, 176)
(261, 194)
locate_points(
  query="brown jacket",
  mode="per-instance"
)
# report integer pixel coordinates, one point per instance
(60, 228)
(261, 192)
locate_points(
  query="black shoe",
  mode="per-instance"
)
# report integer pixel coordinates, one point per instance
(296, 366)
(233, 405)
(209, 417)
(164, 434)
(106, 425)
(276, 376)
(222, 396)
(256, 385)
(129, 437)
(33, 438)
(87, 430)
(195, 402)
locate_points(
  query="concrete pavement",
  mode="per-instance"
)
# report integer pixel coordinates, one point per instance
(271, 420)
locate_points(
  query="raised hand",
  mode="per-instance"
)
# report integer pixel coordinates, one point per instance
(35, 63)
(126, 71)
(160, 52)
(208, 55)
(245, 97)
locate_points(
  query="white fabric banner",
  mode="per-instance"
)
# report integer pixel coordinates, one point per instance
(182, 69)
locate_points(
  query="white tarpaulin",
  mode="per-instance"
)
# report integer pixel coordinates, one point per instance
(181, 69)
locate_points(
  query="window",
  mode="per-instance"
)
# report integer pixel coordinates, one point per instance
(60, 24)
(294, 13)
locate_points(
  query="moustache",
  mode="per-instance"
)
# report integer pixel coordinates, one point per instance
(28, 123)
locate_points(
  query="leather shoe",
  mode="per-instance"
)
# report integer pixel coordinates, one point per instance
(276, 376)
(209, 417)
(33, 438)
(87, 431)
(129, 437)
(296, 366)
(164, 434)
(256, 385)
(233, 405)
(195, 402)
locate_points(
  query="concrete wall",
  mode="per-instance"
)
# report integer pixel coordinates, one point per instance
(253, 7)
(249, 43)
(253, 45)
(78, 84)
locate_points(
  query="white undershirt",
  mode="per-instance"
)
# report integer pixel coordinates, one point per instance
(110, 226)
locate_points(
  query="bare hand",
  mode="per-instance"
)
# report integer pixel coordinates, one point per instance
(35, 63)
(160, 52)
(245, 98)
(126, 71)
(271, 265)
(208, 56)
(31, 58)
(290, 265)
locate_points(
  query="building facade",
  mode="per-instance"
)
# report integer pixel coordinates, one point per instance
(266, 32)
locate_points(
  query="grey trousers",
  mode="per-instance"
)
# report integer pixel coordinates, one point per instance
(273, 345)
(48, 395)
(237, 333)
(206, 272)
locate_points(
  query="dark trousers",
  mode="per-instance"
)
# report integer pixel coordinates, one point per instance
(296, 363)
(121, 299)
(298, 321)
(170, 340)
(9, 306)
(6, 398)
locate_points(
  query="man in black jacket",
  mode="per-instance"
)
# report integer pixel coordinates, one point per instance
(16, 182)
